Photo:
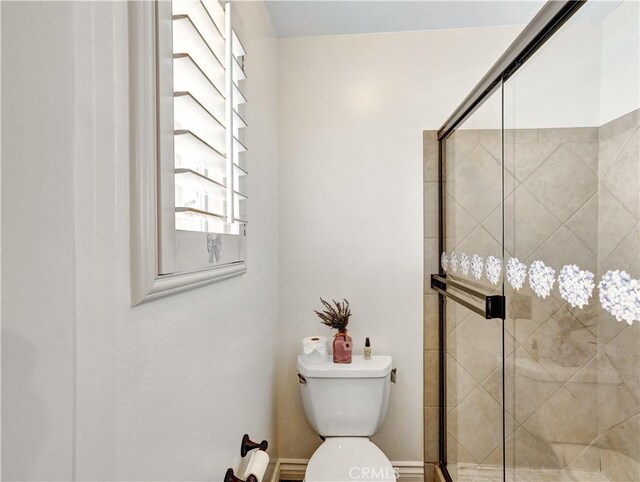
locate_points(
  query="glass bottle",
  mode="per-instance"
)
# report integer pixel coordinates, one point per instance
(342, 347)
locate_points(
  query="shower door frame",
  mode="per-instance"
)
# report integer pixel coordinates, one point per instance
(542, 27)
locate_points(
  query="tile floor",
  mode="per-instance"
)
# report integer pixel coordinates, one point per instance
(481, 474)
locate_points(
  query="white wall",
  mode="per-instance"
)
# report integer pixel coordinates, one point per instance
(586, 75)
(351, 114)
(620, 62)
(197, 370)
(94, 389)
(37, 248)
(559, 86)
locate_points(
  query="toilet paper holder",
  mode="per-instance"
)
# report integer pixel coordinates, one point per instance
(230, 477)
(248, 445)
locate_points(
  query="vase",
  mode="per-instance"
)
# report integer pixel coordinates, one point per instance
(342, 347)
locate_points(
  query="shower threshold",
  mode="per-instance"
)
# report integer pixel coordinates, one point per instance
(491, 474)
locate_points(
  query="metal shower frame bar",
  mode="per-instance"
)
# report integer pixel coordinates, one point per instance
(542, 27)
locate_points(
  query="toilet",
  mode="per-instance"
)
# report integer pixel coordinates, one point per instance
(346, 404)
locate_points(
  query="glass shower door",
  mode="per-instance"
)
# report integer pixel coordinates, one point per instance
(572, 379)
(472, 259)
(540, 207)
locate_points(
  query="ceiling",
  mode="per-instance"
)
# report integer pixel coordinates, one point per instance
(299, 18)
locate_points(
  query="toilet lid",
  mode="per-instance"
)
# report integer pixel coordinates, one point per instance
(349, 459)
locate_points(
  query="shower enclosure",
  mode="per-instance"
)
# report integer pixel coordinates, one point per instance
(539, 236)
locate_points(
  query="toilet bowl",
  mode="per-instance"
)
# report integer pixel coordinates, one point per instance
(341, 459)
(346, 404)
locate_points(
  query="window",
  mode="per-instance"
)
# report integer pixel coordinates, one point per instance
(196, 76)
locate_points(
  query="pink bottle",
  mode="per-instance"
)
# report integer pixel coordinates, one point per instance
(342, 348)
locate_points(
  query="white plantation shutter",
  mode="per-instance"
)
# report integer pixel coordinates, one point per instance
(235, 52)
(203, 171)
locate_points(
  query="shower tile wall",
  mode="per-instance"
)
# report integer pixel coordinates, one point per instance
(474, 345)
(618, 360)
(551, 216)
(573, 376)
(430, 162)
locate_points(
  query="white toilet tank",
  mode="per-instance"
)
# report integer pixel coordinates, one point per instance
(345, 400)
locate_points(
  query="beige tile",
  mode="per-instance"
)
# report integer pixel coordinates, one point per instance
(564, 247)
(527, 223)
(562, 183)
(480, 242)
(430, 155)
(431, 434)
(466, 136)
(588, 315)
(589, 459)
(430, 209)
(456, 454)
(587, 151)
(562, 345)
(476, 344)
(624, 354)
(523, 452)
(431, 378)
(614, 222)
(518, 306)
(475, 184)
(459, 223)
(459, 382)
(608, 326)
(624, 440)
(611, 147)
(491, 140)
(456, 154)
(586, 384)
(455, 314)
(616, 402)
(527, 385)
(568, 134)
(522, 159)
(619, 125)
(521, 136)
(562, 427)
(522, 323)
(431, 262)
(618, 467)
(476, 423)
(431, 322)
(625, 255)
(584, 223)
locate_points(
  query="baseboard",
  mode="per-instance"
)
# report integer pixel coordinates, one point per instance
(294, 469)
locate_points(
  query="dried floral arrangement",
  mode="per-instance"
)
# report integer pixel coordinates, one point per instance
(336, 315)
